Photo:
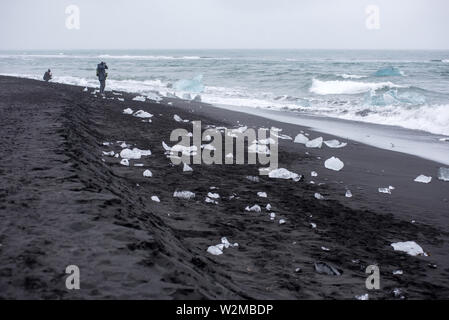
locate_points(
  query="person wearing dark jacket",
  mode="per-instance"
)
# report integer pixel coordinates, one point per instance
(102, 75)
(48, 75)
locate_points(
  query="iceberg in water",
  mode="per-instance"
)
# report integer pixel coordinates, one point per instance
(443, 174)
(194, 85)
(388, 72)
(334, 164)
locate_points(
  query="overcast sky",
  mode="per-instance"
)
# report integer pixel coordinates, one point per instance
(216, 24)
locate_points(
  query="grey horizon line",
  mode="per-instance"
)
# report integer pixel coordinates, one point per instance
(238, 49)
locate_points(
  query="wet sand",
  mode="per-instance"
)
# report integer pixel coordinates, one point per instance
(63, 202)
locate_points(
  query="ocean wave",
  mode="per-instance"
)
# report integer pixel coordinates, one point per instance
(388, 72)
(149, 57)
(348, 87)
(351, 76)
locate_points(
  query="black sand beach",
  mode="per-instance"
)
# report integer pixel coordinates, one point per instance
(62, 202)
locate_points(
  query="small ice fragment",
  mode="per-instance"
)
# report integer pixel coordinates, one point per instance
(316, 143)
(215, 250)
(443, 174)
(187, 168)
(314, 174)
(272, 215)
(208, 138)
(140, 98)
(348, 194)
(213, 195)
(255, 208)
(165, 146)
(409, 247)
(423, 179)
(268, 207)
(121, 99)
(184, 195)
(284, 174)
(262, 194)
(134, 153)
(209, 200)
(128, 111)
(179, 119)
(318, 196)
(85, 89)
(334, 164)
(313, 225)
(363, 297)
(335, 144)
(138, 165)
(398, 272)
(110, 154)
(124, 162)
(155, 199)
(282, 221)
(147, 174)
(385, 190)
(325, 249)
(253, 178)
(142, 114)
(300, 138)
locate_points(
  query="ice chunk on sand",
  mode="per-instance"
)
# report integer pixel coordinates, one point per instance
(272, 215)
(316, 143)
(179, 119)
(423, 179)
(398, 272)
(165, 146)
(125, 162)
(110, 154)
(128, 111)
(255, 208)
(134, 153)
(300, 138)
(194, 85)
(147, 174)
(334, 164)
(443, 174)
(209, 200)
(363, 297)
(262, 194)
(409, 247)
(187, 151)
(187, 168)
(219, 248)
(155, 199)
(215, 250)
(253, 178)
(284, 174)
(335, 144)
(85, 89)
(282, 221)
(314, 174)
(184, 195)
(140, 98)
(348, 194)
(259, 148)
(386, 190)
(213, 195)
(142, 114)
(121, 99)
(318, 196)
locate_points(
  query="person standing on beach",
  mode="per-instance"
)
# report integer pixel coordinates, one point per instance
(48, 75)
(102, 75)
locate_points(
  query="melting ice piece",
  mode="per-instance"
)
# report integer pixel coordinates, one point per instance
(363, 297)
(348, 194)
(209, 200)
(398, 272)
(213, 195)
(110, 154)
(147, 174)
(230, 156)
(443, 174)
(121, 99)
(209, 147)
(423, 179)
(325, 268)
(385, 190)
(300, 138)
(125, 162)
(409, 247)
(85, 89)
(187, 151)
(335, 144)
(155, 199)
(128, 111)
(284, 174)
(282, 221)
(184, 195)
(314, 174)
(179, 119)
(268, 207)
(262, 194)
(215, 250)
(255, 208)
(140, 98)
(272, 215)
(134, 153)
(318, 196)
(334, 164)
(187, 168)
(142, 114)
(316, 143)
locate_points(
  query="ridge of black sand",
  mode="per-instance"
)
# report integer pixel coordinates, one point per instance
(61, 204)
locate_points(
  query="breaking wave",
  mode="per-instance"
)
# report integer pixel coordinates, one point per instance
(348, 87)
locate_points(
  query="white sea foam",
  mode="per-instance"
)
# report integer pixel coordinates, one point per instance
(347, 87)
